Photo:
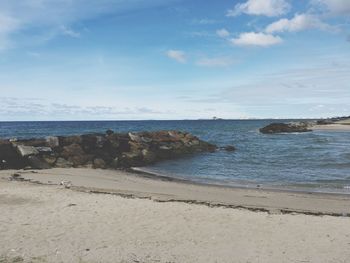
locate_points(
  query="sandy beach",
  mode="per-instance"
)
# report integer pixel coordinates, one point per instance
(341, 127)
(114, 216)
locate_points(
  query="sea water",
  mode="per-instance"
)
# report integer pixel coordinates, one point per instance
(318, 160)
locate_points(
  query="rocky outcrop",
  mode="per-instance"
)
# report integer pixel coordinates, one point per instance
(286, 127)
(110, 150)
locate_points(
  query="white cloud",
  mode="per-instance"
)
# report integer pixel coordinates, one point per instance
(215, 62)
(204, 21)
(298, 23)
(32, 108)
(8, 25)
(256, 39)
(47, 16)
(177, 55)
(223, 33)
(336, 7)
(69, 32)
(261, 7)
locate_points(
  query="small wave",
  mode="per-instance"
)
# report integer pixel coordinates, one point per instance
(336, 165)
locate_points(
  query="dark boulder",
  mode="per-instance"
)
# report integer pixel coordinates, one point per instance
(63, 163)
(130, 159)
(324, 122)
(75, 154)
(52, 141)
(99, 163)
(229, 148)
(32, 142)
(285, 128)
(37, 163)
(148, 156)
(9, 157)
(50, 158)
(74, 139)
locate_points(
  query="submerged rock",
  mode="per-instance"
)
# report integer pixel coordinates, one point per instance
(229, 148)
(286, 128)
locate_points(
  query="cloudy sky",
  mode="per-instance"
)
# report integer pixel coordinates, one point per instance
(173, 59)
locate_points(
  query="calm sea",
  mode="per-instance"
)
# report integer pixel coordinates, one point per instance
(318, 160)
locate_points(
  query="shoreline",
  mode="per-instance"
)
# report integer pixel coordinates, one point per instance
(164, 189)
(254, 186)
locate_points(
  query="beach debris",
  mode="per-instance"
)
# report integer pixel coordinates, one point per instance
(16, 177)
(66, 184)
(275, 211)
(286, 127)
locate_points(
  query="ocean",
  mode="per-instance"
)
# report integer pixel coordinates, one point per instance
(316, 161)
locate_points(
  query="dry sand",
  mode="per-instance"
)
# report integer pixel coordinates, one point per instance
(333, 127)
(49, 223)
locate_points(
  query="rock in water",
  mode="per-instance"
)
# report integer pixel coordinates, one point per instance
(229, 148)
(285, 128)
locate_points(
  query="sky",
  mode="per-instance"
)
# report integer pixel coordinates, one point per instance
(173, 59)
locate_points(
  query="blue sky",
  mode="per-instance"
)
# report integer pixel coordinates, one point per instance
(173, 59)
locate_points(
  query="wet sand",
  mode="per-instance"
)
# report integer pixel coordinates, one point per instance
(93, 221)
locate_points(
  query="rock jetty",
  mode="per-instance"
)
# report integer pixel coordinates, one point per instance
(109, 150)
(286, 127)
